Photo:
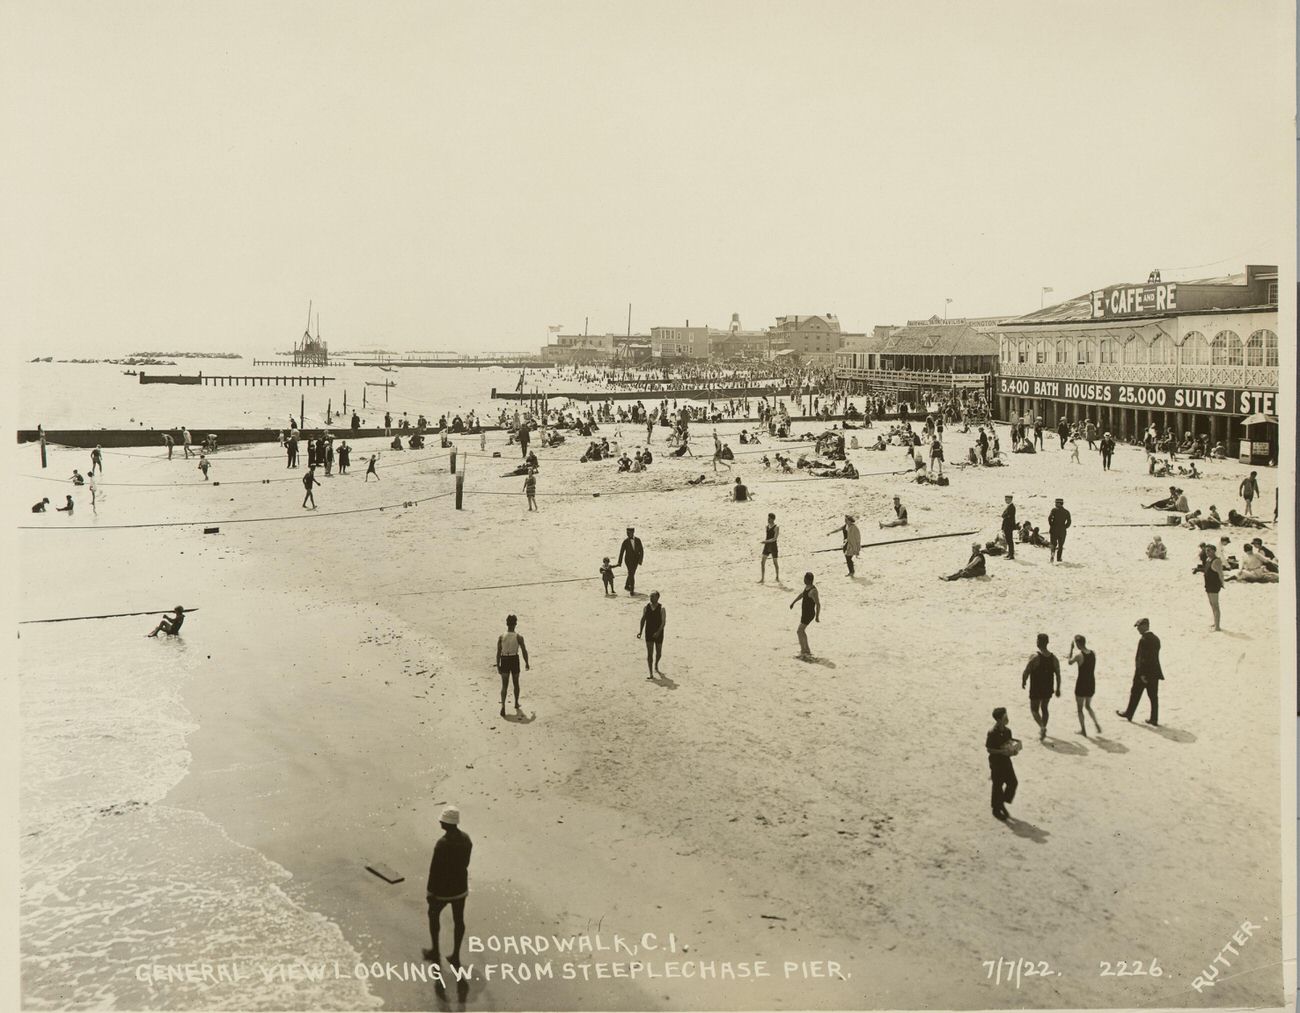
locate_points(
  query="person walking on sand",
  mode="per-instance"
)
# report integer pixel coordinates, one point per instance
(630, 554)
(1146, 674)
(1042, 674)
(1249, 489)
(1212, 571)
(1074, 450)
(717, 453)
(204, 464)
(770, 537)
(97, 464)
(171, 625)
(448, 883)
(185, 441)
(1085, 683)
(811, 612)
(1001, 747)
(370, 468)
(530, 489)
(309, 480)
(654, 620)
(169, 443)
(1107, 451)
(388, 423)
(510, 647)
(852, 540)
(1009, 527)
(1058, 523)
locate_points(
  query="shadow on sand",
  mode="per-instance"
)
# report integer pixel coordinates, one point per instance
(1026, 830)
(1109, 745)
(1164, 731)
(662, 680)
(1065, 747)
(519, 718)
(824, 662)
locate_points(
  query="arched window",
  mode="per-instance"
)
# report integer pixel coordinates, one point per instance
(1061, 355)
(1261, 349)
(1087, 351)
(1022, 351)
(1003, 352)
(1135, 351)
(1226, 350)
(1040, 351)
(1196, 350)
(1109, 350)
(1161, 351)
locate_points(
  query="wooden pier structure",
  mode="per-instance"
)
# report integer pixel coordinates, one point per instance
(241, 381)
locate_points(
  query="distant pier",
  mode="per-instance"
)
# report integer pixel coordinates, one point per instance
(240, 381)
(687, 394)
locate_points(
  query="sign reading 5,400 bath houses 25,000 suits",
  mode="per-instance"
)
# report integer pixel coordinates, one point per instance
(1214, 400)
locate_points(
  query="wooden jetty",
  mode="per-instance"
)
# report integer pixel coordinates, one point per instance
(240, 381)
(654, 396)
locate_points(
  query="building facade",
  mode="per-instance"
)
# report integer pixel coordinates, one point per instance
(923, 356)
(815, 338)
(684, 342)
(1197, 356)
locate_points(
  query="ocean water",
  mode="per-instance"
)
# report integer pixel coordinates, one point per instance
(97, 395)
(115, 884)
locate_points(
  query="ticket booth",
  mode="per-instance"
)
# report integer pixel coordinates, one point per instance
(1259, 436)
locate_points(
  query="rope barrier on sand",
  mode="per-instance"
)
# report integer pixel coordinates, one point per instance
(231, 520)
(113, 615)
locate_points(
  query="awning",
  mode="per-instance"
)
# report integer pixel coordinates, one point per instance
(1257, 419)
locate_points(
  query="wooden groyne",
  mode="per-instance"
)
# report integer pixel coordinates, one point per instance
(240, 381)
(460, 363)
(689, 394)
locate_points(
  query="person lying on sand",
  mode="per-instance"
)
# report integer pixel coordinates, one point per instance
(1253, 570)
(1238, 520)
(1170, 502)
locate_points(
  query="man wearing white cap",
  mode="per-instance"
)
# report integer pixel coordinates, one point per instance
(448, 883)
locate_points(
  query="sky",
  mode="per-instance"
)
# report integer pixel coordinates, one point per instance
(462, 175)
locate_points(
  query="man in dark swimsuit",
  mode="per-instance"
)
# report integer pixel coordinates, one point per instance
(1042, 670)
(630, 553)
(654, 619)
(770, 549)
(448, 883)
(309, 480)
(1000, 746)
(811, 612)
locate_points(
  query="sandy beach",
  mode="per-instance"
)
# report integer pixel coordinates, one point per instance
(829, 820)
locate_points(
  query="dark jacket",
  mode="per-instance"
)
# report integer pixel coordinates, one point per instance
(1009, 517)
(1059, 519)
(1146, 666)
(632, 550)
(449, 868)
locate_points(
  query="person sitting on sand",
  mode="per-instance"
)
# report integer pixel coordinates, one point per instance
(997, 547)
(67, 508)
(1038, 540)
(1156, 550)
(1190, 471)
(625, 463)
(1024, 532)
(78, 478)
(171, 625)
(1253, 569)
(1196, 520)
(396, 444)
(1265, 553)
(784, 463)
(740, 492)
(1238, 520)
(1219, 451)
(975, 566)
(880, 443)
(900, 516)
(767, 461)
(39, 508)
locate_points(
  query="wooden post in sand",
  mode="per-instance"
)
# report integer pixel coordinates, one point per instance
(453, 461)
(302, 411)
(460, 490)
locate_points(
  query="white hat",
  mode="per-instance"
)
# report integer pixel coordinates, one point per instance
(450, 815)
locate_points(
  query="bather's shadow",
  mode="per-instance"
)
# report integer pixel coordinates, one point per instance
(1164, 731)
(519, 718)
(824, 662)
(1109, 745)
(1069, 566)
(1235, 635)
(663, 680)
(1028, 831)
(1065, 747)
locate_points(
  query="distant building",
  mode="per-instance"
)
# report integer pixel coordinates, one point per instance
(923, 356)
(812, 338)
(737, 343)
(579, 348)
(685, 342)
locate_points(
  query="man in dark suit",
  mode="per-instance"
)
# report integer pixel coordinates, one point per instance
(630, 553)
(1058, 523)
(1009, 528)
(1146, 674)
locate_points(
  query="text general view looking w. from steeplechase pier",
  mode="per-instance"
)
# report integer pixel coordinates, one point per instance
(446, 440)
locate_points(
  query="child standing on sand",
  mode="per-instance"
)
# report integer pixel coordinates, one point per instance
(607, 576)
(204, 464)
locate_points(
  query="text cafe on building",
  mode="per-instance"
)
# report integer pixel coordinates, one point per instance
(1196, 357)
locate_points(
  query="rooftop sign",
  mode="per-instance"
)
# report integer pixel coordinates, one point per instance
(1134, 300)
